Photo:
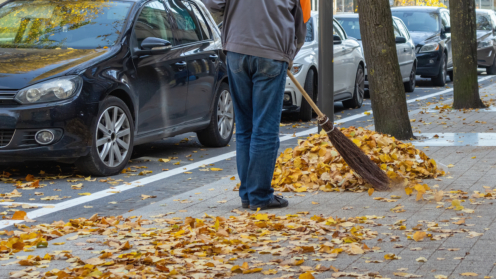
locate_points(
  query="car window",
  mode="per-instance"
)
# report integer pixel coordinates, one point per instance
(445, 18)
(397, 32)
(338, 31)
(54, 24)
(403, 29)
(310, 31)
(419, 21)
(183, 19)
(351, 26)
(152, 22)
(200, 18)
(493, 20)
(483, 22)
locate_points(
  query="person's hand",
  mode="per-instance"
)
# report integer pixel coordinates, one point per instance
(290, 65)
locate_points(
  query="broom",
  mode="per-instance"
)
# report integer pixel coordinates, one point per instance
(351, 153)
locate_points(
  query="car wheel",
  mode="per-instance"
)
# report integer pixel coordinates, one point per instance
(220, 130)
(410, 85)
(358, 95)
(492, 70)
(112, 142)
(450, 74)
(440, 79)
(306, 112)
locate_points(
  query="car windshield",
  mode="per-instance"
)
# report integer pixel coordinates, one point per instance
(419, 21)
(351, 26)
(484, 22)
(62, 24)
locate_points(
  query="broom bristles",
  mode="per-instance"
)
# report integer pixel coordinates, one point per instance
(355, 157)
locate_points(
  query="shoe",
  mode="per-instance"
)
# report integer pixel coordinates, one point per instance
(276, 202)
(245, 204)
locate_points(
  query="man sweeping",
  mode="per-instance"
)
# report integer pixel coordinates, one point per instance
(261, 38)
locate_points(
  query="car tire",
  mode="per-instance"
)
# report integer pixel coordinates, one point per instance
(440, 79)
(410, 85)
(359, 92)
(223, 115)
(450, 74)
(306, 112)
(112, 142)
(492, 70)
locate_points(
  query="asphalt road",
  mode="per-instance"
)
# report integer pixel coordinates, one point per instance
(63, 194)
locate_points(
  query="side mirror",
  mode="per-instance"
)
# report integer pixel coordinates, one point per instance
(337, 40)
(447, 29)
(400, 40)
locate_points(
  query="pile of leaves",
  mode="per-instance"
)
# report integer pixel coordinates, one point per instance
(190, 247)
(315, 165)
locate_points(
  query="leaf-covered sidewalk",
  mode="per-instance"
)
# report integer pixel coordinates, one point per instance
(449, 232)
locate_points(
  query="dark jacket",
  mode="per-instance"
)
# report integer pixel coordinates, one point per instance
(273, 29)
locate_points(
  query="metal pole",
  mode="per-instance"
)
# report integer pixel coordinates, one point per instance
(326, 53)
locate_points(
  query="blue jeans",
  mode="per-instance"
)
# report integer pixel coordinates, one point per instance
(257, 86)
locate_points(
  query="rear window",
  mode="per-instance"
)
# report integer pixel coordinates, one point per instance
(484, 22)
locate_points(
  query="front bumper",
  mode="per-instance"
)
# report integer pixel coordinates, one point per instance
(294, 104)
(428, 63)
(74, 118)
(485, 56)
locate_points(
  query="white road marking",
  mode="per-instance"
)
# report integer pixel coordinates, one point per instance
(106, 193)
(456, 139)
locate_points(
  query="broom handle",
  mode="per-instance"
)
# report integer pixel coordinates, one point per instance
(305, 94)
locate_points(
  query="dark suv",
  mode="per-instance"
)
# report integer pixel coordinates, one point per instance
(84, 81)
(430, 29)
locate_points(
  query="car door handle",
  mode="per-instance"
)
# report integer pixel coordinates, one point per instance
(181, 64)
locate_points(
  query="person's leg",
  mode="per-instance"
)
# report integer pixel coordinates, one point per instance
(241, 89)
(268, 91)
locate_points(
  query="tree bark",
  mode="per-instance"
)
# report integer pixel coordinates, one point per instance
(464, 50)
(383, 70)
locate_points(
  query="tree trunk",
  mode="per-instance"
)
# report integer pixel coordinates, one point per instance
(383, 70)
(464, 50)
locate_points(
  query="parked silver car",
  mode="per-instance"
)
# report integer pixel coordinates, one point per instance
(349, 73)
(404, 46)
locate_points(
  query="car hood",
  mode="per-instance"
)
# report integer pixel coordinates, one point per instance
(483, 34)
(424, 37)
(23, 67)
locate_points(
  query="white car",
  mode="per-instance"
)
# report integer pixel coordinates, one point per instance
(405, 47)
(349, 71)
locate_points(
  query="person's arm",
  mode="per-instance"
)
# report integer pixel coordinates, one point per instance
(301, 13)
(216, 7)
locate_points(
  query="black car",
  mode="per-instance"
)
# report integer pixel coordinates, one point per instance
(486, 40)
(430, 29)
(84, 81)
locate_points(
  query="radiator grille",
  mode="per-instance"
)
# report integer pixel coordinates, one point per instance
(6, 137)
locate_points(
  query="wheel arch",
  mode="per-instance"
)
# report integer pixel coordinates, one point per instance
(124, 96)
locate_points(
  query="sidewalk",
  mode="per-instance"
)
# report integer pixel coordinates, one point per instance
(464, 146)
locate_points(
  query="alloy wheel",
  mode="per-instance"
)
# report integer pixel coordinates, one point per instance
(360, 85)
(225, 114)
(113, 136)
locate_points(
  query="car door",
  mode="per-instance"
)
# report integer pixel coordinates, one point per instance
(161, 80)
(408, 50)
(446, 22)
(401, 51)
(340, 71)
(203, 59)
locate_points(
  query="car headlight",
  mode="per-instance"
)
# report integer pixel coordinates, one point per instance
(486, 43)
(296, 69)
(50, 91)
(430, 47)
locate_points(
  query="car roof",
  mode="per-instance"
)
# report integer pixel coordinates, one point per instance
(485, 11)
(353, 15)
(418, 8)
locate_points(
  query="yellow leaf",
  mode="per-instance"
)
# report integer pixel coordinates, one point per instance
(233, 178)
(408, 190)
(469, 274)
(419, 236)
(19, 215)
(457, 205)
(270, 272)
(84, 194)
(371, 191)
(164, 160)
(306, 275)
(216, 169)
